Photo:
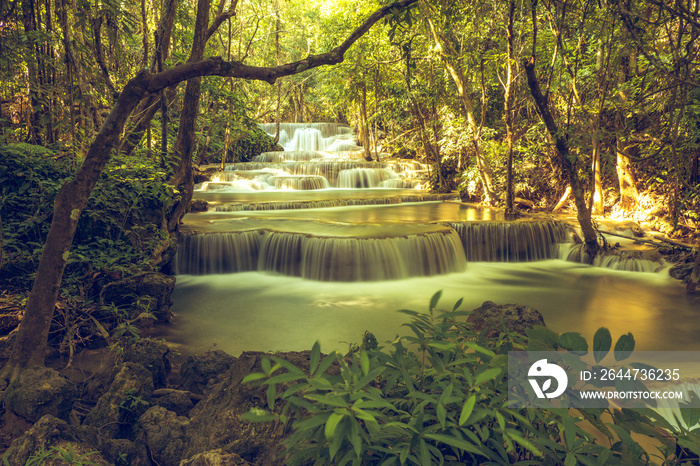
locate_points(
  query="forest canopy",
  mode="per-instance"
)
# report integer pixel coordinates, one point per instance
(444, 80)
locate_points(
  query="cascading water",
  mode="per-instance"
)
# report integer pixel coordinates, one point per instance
(275, 267)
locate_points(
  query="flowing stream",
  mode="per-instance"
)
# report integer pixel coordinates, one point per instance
(316, 243)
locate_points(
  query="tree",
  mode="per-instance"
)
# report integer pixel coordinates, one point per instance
(566, 158)
(30, 345)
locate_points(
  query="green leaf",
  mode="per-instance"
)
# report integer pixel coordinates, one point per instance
(252, 377)
(602, 341)
(467, 409)
(457, 304)
(573, 341)
(543, 334)
(364, 362)
(624, 347)
(455, 442)
(434, 300)
(331, 424)
(488, 374)
(258, 415)
(271, 396)
(315, 357)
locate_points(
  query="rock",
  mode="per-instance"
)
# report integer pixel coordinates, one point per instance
(198, 205)
(40, 391)
(153, 355)
(681, 271)
(634, 228)
(116, 451)
(148, 292)
(198, 370)
(165, 435)
(517, 318)
(44, 439)
(176, 401)
(215, 458)
(216, 420)
(126, 400)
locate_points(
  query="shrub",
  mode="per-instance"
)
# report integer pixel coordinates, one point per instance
(438, 396)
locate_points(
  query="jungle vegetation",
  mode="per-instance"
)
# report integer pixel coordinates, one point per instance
(108, 107)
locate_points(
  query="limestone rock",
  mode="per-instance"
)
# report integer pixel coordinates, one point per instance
(516, 317)
(46, 438)
(198, 370)
(199, 205)
(147, 292)
(215, 458)
(177, 401)
(40, 391)
(216, 420)
(165, 435)
(153, 355)
(126, 400)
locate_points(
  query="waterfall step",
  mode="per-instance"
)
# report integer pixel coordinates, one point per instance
(421, 251)
(321, 204)
(517, 241)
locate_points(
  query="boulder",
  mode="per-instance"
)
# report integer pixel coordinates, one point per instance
(44, 442)
(148, 292)
(215, 458)
(216, 420)
(176, 401)
(116, 451)
(40, 391)
(492, 317)
(198, 205)
(153, 355)
(198, 370)
(128, 397)
(165, 435)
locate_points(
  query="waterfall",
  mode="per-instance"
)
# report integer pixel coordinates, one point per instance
(625, 260)
(520, 241)
(361, 259)
(313, 136)
(363, 177)
(299, 182)
(321, 258)
(285, 205)
(217, 253)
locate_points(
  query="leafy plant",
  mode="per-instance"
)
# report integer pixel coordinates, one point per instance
(439, 396)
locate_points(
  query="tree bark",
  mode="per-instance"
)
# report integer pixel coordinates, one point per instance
(183, 178)
(566, 159)
(510, 81)
(31, 342)
(29, 23)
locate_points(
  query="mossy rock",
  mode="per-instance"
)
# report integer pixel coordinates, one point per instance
(128, 397)
(47, 441)
(153, 355)
(40, 391)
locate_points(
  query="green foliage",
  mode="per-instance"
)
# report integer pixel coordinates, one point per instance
(67, 455)
(117, 231)
(439, 396)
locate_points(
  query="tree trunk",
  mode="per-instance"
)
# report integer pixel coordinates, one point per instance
(183, 178)
(450, 57)
(510, 79)
(598, 201)
(625, 176)
(695, 274)
(364, 125)
(566, 159)
(29, 23)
